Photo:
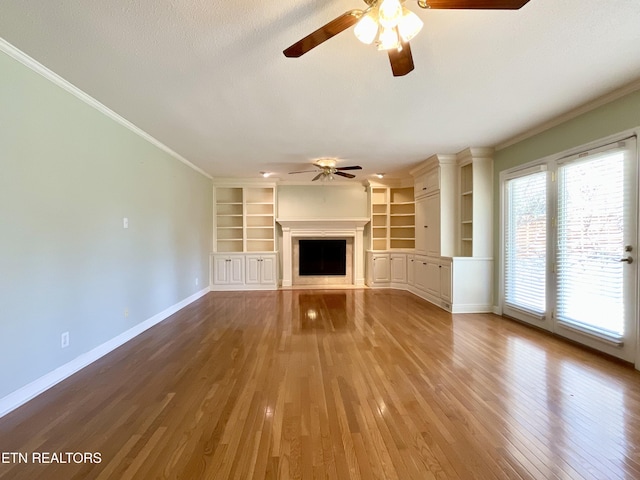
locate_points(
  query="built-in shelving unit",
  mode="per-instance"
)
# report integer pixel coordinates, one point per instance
(392, 218)
(466, 210)
(475, 188)
(379, 218)
(245, 220)
(402, 214)
(229, 219)
(259, 219)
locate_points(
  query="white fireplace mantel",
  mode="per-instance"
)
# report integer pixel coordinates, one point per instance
(322, 227)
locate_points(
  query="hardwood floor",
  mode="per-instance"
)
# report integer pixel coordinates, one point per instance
(340, 384)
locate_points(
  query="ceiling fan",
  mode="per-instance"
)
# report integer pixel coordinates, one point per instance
(326, 169)
(392, 24)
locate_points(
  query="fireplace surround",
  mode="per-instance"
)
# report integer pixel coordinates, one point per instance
(351, 229)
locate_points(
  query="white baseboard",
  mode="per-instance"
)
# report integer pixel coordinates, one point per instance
(242, 287)
(497, 309)
(472, 308)
(35, 388)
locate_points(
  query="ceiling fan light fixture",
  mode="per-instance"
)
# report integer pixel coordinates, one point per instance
(388, 39)
(380, 175)
(409, 25)
(367, 28)
(390, 13)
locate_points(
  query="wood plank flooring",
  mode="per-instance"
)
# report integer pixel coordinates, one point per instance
(340, 384)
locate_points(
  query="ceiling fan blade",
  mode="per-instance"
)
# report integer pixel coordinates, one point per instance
(354, 167)
(323, 34)
(303, 171)
(401, 61)
(348, 175)
(317, 176)
(478, 4)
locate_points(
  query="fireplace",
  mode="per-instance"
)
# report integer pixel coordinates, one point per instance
(349, 230)
(322, 257)
(319, 272)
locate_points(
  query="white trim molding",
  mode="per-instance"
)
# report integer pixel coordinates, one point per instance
(571, 114)
(42, 384)
(56, 79)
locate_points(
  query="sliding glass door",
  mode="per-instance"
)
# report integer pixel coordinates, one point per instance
(570, 244)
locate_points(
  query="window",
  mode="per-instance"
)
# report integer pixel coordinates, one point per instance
(526, 242)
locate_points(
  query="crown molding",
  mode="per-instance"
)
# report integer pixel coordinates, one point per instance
(571, 114)
(56, 79)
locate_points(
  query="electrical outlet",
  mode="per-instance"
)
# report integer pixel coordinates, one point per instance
(126, 312)
(125, 222)
(197, 281)
(64, 340)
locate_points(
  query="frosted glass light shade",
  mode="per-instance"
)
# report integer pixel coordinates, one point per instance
(388, 39)
(367, 28)
(409, 25)
(390, 13)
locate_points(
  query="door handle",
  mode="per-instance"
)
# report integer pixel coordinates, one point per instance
(628, 260)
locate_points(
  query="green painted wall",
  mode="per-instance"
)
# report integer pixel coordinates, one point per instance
(69, 174)
(616, 116)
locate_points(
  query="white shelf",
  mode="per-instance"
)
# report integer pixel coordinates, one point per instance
(392, 210)
(247, 215)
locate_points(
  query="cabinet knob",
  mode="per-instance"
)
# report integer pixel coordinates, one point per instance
(426, 226)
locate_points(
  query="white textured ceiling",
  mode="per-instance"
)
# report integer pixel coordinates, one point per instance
(209, 80)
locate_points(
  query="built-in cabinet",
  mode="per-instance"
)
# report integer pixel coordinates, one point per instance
(261, 270)
(428, 238)
(427, 277)
(244, 238)
(410, 269)
(451, 262)
(228, 269)
(240, 271)
(457, 284)
(392, 218)
(379, 269)
(383, 269)
(398, 267)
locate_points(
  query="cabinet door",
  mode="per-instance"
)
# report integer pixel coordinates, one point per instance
(433, 278)
(253, 269)
(268, 270)
(445, 282)
(421, 226)
(420, 273)
(410, 269)
(432, 225)
(432, 181)
(236, 270)
(399, 268)
(220, 270)
(381, 271)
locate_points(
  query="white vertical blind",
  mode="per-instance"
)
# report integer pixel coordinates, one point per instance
(591, 221)
(526, 243)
